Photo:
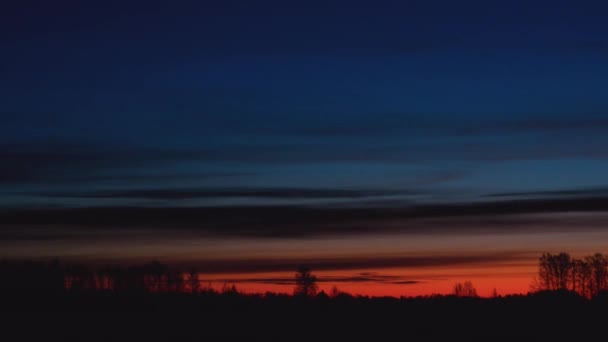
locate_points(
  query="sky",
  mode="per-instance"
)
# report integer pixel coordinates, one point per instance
(394, 146)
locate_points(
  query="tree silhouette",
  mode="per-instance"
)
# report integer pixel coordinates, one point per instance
(193, 281)
(465, 289)
(306, 283)
(554, 271)
(580, 277)
(588, 276)
(598, 267)
(335, 292)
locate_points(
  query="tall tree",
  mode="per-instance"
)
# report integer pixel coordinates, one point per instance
(598, 266)
(554, 271)
(581, 277)
(306, 283)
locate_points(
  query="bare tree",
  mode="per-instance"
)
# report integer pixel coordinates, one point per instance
(587, 276)
(554, 271)
(581, 277)
(193, 281)
(465, 289)
(598, 272)
(306, 283)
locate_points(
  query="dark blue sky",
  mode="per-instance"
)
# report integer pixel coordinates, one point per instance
(230, 102)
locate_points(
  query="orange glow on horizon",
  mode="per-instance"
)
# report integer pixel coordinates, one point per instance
(506, 279)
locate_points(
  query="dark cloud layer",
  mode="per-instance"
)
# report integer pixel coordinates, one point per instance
(48, 161)
(301, 221)
(281, 193)
(353, 263)
(358, 278)
(588, 192)
(383, 125)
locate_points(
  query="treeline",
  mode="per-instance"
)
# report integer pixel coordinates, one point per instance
(587, 276)
(152, 302)
(154, 277)
(25, 276)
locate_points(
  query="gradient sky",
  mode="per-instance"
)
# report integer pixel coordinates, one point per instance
(429, 141)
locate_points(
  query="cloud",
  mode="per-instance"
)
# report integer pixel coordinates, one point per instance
(360, 278)
(310, 221)
(589, 192)
(403, 138)
(275, 192)
(30, 162)
(65, 161)
(389, 138)
(408, 125)
(260, 265)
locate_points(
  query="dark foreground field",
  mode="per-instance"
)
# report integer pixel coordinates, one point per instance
(220, 317)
